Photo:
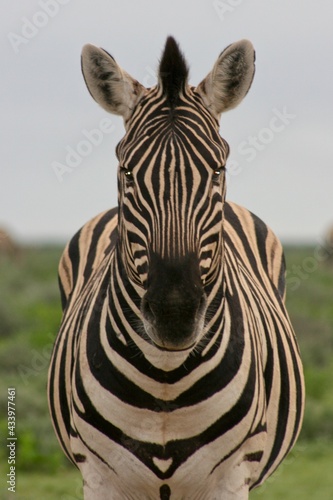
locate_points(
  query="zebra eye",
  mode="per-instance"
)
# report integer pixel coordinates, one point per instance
(128, 175)
(217, 173)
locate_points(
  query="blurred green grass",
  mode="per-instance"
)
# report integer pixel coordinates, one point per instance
(29, 319)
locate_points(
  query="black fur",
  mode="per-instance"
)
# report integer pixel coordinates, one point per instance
(173, 71)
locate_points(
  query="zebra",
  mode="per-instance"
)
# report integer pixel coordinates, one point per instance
(176, 373)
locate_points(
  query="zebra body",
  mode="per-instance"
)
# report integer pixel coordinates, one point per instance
(173, 376)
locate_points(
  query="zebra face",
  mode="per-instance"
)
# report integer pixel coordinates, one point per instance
(171, 187)
(171, 181)
(171, 192)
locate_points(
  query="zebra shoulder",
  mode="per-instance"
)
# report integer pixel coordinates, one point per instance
(85, 251)
(256, 237)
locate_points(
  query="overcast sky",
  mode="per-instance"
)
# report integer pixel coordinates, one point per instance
(281, 135)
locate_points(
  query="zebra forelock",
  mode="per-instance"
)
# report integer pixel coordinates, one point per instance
(173, 71)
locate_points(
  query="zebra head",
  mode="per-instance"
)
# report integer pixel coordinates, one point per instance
(171, 181)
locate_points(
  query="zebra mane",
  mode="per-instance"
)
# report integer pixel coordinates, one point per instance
(173, 71)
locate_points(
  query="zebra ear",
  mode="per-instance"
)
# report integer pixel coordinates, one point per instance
(230, 79)
(111, 87)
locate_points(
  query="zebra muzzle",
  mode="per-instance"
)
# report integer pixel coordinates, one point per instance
(173, 308)
(173, 326)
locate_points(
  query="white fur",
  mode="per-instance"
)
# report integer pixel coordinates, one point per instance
(117, 93)
(214, 89)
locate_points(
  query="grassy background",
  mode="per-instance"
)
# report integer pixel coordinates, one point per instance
(29, 319)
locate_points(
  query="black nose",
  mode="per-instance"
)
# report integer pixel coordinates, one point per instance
(173, 322)
(174, 304)
(159, 305)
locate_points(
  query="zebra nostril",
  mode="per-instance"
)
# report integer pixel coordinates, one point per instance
(147, 310)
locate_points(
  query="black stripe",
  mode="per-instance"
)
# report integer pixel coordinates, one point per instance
(165, 492)
(97, 232)
(79, 459)
(62, 395)
(261, 232)
(256, 456)
(63, 297)
(299, 394)
(283, 405)
(234, 221)
(282, 277)
(74, 255)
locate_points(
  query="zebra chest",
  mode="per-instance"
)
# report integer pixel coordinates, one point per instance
(145, 439)
(142, 429)
(129, 389)
(161, 425)
(131, 404)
